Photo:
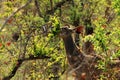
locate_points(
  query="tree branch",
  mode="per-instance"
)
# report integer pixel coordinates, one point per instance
(38, 9)
(58, 5)
(19, 62)
(29, 1)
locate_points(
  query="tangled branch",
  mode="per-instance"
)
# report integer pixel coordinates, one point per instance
(29, 1)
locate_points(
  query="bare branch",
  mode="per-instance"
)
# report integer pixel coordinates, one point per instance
(29, 1)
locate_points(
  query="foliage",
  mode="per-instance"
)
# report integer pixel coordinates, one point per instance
(38, 26)
(116, 6)
(56, 25)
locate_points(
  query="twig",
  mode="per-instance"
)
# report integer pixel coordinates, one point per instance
(14, 14)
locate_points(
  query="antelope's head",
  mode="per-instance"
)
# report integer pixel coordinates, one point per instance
(66, 31)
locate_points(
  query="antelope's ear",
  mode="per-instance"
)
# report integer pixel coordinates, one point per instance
(79, 29)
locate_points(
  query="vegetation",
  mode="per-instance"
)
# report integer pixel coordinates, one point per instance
(30, 46)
